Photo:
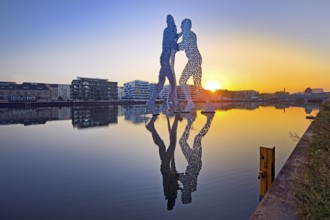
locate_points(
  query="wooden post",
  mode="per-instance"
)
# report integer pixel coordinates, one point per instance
(267, 169)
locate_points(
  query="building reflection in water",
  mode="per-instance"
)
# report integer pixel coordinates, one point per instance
(93, 116)
(82, 117)
(136, 113)
(193, 155)
(33, 116)
(99, 116)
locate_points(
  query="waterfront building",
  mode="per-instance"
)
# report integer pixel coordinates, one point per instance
(313, 91)
(245, 95)
(152, 87)
(64, 92)
(137, 89)
(5, 88)
(142, 90)
(121, 92)
(192, 90)
(92, 89)
(164, 93)
(221, 95)
(25, 92)
(30, 92)
(282, 95)
(315, 95)
(53, 91)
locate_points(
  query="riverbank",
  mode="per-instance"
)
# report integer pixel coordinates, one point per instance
(313, 187)
(277, 104)
(72, 103)
(302, 188)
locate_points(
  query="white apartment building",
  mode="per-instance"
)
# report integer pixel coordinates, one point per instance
(121, 92)
(137, 89)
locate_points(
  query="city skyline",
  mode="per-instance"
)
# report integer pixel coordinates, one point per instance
(166, 85)
(244, 45)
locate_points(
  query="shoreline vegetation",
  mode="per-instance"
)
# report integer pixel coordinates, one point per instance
(312, 188)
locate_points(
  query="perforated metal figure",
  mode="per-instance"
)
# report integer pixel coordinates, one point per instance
(193, 67)
(170, 46)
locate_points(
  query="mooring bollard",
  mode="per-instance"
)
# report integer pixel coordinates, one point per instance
(266, 170)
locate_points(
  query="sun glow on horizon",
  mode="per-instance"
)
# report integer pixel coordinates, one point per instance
(213, 85)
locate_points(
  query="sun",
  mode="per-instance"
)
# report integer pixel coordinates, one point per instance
(213, 85)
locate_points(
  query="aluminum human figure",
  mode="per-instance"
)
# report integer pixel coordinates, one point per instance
(170, 38)
(193, 67)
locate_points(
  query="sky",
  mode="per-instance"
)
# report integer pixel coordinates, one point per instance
(267, 46)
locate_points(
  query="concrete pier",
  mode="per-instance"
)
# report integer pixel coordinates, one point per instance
(279, 203)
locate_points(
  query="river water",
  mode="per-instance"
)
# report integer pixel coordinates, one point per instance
(119, 162)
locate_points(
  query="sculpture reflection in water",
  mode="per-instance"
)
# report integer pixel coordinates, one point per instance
(193, 155)
(167, 167)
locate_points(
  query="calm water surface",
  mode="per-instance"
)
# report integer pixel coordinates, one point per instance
(119, 163)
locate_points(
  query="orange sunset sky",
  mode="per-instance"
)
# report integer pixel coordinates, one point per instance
(261, 45)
